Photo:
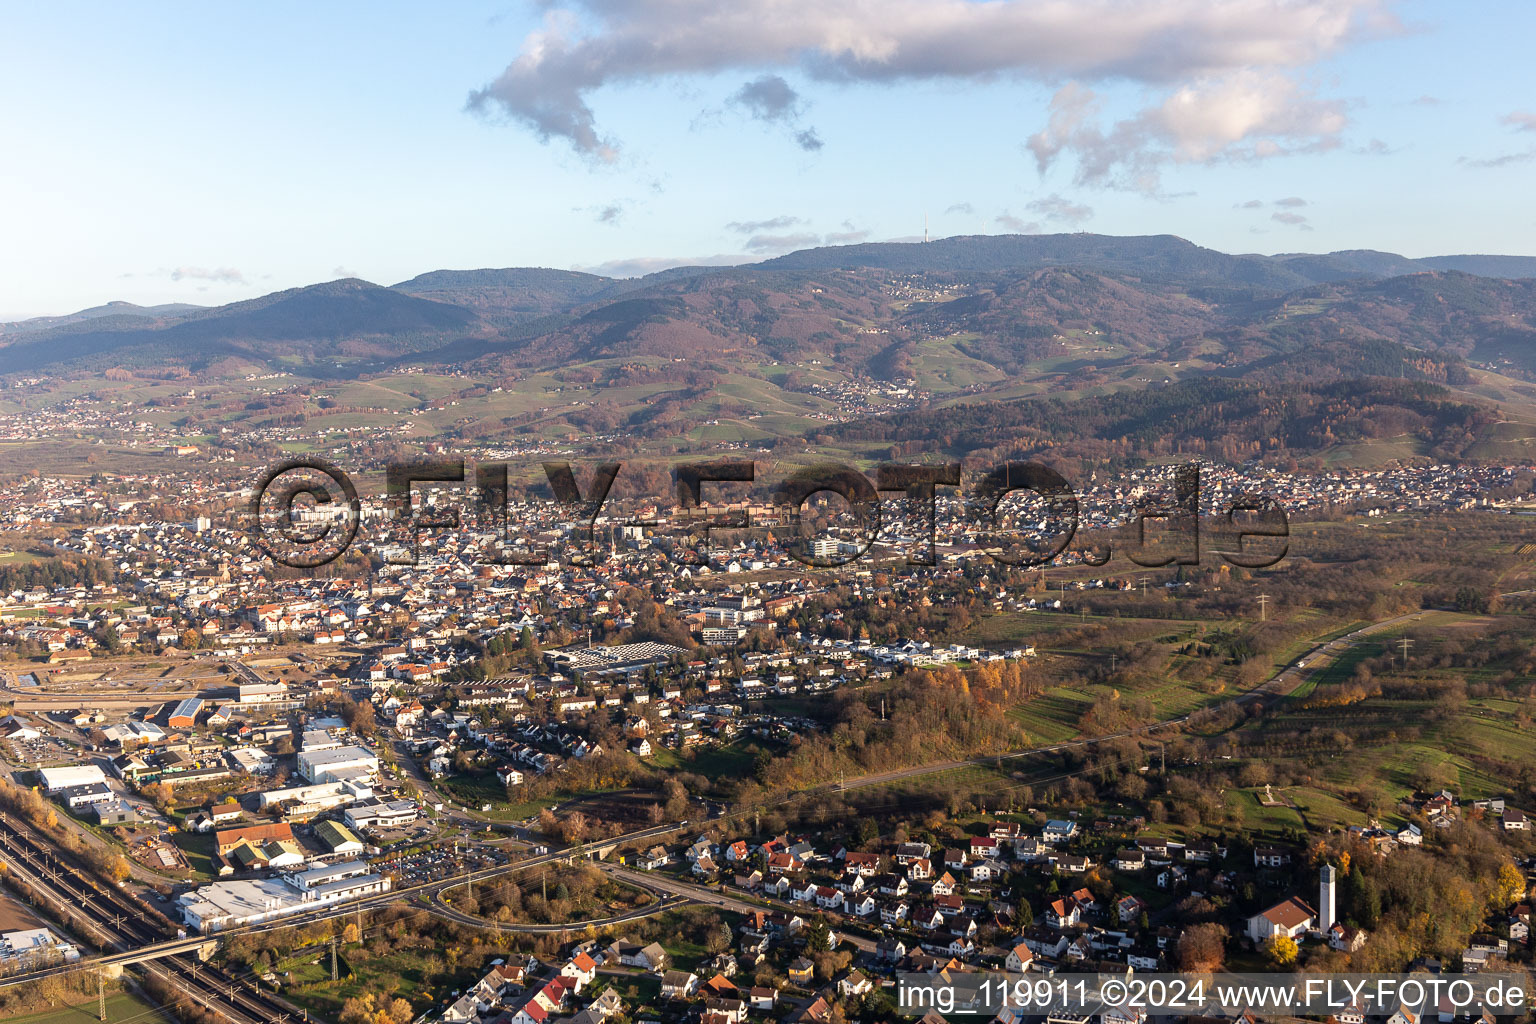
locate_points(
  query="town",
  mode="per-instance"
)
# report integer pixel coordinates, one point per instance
(264, 756)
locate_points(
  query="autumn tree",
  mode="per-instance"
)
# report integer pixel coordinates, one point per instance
(574, 828)
(1510, 886)
(362, 719)
(1281, 949)
(1203, 948)
(718, 940)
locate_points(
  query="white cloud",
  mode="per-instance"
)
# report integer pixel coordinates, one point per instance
(1018, 225)
(1218, 61)
(1503, 160)
(1055, 208)
(783, 243)
(639, 266)
(852, 236)
(1520, 120)
(751, 227)
(768, 236)
(1245, 115)
(221, 275)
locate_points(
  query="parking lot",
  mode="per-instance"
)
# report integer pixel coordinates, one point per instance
(438, 863)
(408, 835)
(43, 751)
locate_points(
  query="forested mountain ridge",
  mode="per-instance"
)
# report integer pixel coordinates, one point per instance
(346, 318)
(1007, 300)
(1230, 420)
(1129, 345)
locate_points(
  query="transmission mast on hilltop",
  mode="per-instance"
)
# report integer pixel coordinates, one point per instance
(925, 228)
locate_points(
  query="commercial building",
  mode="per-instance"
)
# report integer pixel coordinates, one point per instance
(339, 839)
(35, 947)
(128, 733)
(114, 812)
(337, 764)
(621, 660)
(320, 796)
(381, 813)
(56, 780)
(318, 739)
(263, 693)
(76, 797)
(213, 908)
(250, 760)
(227, 839)
(184, 715)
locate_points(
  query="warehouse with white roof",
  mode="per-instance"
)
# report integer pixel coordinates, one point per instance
(338, 764)
(222, 905)
(56, 780)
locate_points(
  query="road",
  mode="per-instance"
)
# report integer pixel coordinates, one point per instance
(717, 897)
(440, 908)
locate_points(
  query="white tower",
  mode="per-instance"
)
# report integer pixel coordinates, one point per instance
(1325, 908)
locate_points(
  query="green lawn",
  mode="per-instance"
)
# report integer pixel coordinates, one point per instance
(476, 789)
(405, 974)
(121, 1007)
(727, 761)
(198, 848)
(687, 953)
(1324, 810)
(1256, 817)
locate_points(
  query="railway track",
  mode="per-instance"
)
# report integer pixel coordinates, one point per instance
(118, 923)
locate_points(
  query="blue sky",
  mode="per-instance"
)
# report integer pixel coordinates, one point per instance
(208, 154)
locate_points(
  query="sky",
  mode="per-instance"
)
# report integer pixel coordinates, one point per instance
(209, 153)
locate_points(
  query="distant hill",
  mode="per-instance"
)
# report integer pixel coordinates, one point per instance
(1484, 266)
(1077, 301)
(126, 312)
(1435, 316)
(1346, 264)
(1013, 320)
(508, 296)
(744, 314)
(1211, 417)
(1421, 326)
(1164, 256)
(364, 318)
